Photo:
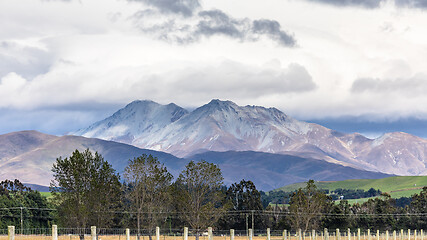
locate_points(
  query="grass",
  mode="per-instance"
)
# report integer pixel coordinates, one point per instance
(46, 194)
(401, 186)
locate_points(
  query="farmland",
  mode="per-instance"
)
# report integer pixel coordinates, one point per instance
(400, 186)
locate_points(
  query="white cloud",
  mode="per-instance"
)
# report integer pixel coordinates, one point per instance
(56, 53)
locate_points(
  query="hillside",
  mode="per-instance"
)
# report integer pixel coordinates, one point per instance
(400, 186)
(34, 165)
(268, 171)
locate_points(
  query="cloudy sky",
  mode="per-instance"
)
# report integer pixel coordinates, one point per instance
(352, 65)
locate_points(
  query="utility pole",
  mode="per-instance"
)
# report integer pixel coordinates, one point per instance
(247, 226)
(22, 223)
(253, 229)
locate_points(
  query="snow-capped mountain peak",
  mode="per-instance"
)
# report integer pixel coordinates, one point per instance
(134, 121)
(223, 126)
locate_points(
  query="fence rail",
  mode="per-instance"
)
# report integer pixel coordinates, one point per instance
(94, 233)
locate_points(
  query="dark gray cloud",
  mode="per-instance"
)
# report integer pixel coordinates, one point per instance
(184, 7)
(212, 23)
(411, 3)
(357, 3)
(413, 86)
(273, 30)
(217, 22)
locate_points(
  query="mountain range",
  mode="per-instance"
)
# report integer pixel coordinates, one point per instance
(29, 156)
(225, 126)
(247, 142)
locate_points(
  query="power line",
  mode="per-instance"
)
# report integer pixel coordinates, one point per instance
(235, 212)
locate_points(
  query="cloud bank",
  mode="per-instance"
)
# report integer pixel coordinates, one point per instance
(412, 86)
(202, 82)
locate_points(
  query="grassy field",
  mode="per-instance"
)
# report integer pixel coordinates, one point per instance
(46, 194)
(402, 186)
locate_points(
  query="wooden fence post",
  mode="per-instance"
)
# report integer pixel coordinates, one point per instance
(157, 233)
(313, 234)
(394, 235)
(127, 234)
(231, 234)
(210, 234)
(415, 234)
(422, 234)
(11, 232)
(348, 234)
(358, 234)
(409, 234)
(185, 233)
(93, 232)
(285, 234)
(54, 232)
(326, 234)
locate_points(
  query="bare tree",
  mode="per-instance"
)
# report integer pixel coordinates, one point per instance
(149, 193)
(198, 195)
(306, 206)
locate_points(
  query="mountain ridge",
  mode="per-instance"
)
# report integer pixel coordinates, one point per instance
(223, 126)
(266, 170)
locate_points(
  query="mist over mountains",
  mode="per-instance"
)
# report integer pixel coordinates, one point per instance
(224, 126)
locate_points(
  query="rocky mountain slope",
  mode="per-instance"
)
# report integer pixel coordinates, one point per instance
(224, 126)
(37, 153)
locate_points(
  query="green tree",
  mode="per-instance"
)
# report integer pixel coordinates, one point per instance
(418, 207)
(339, 216)
(306, 207)
(16, 198)
(242, 197)
(149, 191)
(86, 189)
(198, 196)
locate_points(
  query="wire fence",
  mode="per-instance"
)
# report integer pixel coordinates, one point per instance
(179, 234)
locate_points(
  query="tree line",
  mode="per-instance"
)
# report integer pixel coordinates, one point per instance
(282, 197)
(17, 200)
(87, 191)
